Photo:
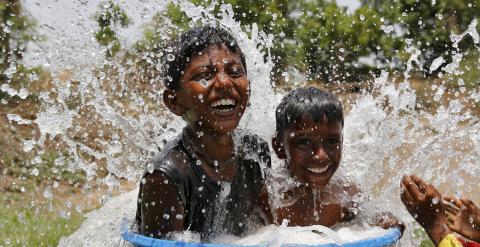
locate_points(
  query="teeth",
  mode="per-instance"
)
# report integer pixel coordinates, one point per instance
(223, 102)
(318, 170)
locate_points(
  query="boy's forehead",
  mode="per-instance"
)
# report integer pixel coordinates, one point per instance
(212, 49)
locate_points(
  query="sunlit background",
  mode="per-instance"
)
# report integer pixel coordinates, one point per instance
(81, 110)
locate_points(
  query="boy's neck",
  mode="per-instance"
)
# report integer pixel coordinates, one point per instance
(213, 146)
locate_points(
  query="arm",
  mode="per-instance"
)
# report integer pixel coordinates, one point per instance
(464, 218)
(264, 205)
(161, 208)
(425, 204)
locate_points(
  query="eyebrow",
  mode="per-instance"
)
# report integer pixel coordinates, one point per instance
(307, 132)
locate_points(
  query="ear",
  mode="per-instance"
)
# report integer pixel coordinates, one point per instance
(279, 148)
(170, 99)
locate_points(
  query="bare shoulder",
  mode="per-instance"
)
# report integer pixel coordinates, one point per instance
(161, 201)
(345, 187)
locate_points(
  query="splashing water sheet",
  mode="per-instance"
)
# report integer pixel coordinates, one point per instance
(109, 120)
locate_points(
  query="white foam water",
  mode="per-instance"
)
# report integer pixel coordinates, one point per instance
(386, 133)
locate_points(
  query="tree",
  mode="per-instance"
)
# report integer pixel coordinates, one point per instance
(110, 17)
(16, 31)
(427, 25)
(331, 41)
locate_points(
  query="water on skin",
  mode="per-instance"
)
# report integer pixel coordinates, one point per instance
(385, 136)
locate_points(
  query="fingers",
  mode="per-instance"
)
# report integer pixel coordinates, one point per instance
(412, 187)
(417, 180)
(406, 197)
(452, 224)
(451, 208)
(432, 191)
(469, 205)
(455, 201)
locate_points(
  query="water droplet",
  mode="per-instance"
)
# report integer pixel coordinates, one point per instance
(166, 216)
(179, 216)
(200, 188)
(362, 17)
(170, 57)
(204, 82)
(35, 172)
(215, 163)
(47, 193)
(203, 211)
(198, 162)
(21, 217)
(150, 168)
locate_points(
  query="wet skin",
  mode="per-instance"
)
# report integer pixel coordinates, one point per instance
(438, 215)
(213, 75)
(313, 151)
(425, 204)
(464, 217)
(324, 209)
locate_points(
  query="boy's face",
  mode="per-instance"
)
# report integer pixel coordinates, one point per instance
(214, 90)
(313, 150)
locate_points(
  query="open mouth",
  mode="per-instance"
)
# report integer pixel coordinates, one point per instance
(318, 171)
(223, 105)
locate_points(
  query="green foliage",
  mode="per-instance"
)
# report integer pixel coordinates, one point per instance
(314, 36)
(421, 234)
(50, 166)
(428, 24)
(16, 31)
(25, 223)
(173, 22)
(110, 17)
(332, 41)
(470, 70)
(18, 76)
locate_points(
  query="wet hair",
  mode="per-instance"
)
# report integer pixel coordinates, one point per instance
(189, 44)
(312, 102)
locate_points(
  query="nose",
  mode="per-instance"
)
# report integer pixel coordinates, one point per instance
(222, 80)
(320, 154)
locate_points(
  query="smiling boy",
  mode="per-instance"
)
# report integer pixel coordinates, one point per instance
(201, 181)
(309, 137)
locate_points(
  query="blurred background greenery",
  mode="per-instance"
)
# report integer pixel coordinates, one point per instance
(318, 39)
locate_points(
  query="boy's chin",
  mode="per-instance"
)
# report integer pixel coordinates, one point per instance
(222, 128)
(318, 183)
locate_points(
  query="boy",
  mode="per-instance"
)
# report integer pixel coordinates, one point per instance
(309, 138)
(200, 182)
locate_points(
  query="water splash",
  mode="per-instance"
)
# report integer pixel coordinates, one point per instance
(107, 118)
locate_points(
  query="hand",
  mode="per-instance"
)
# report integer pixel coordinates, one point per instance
(388, 220)
(464, 218)
(425, 204)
